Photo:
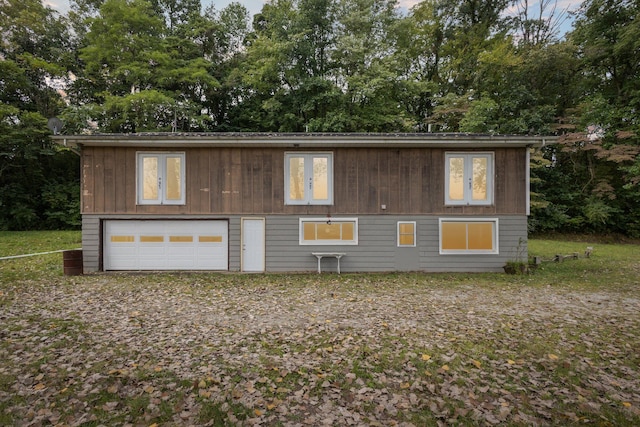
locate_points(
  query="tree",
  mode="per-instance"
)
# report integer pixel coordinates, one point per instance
(122, 48)
(178, 12)
(607, 35)
(418, 58)
(223, 36)
(288, 61)
(141, 75)
(32, 54)
(528, 87)
(470, 27)
(538, 23)
(604, 152)
(365, 68)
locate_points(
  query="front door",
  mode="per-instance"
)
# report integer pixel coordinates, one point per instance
(253, 244)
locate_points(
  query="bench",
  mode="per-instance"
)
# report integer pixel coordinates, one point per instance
(320, 255)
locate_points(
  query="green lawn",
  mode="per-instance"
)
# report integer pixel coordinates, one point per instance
(27, 242)
(609, 266)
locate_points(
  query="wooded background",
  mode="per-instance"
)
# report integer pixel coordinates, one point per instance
(328, 66)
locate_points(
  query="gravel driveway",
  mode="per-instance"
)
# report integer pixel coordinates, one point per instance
(315, 350)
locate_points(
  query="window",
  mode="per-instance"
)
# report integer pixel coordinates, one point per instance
(406, 233)
(469, 178)
(321, 231)
(308, 178)
(161, 179)
(467, 236)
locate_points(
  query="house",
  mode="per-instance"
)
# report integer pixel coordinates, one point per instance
(269, 202)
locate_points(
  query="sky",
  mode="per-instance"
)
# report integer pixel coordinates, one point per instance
(254, 6)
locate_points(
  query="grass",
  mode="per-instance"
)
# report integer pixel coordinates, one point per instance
(609, 265)
(565, 370)
(14, 243)
(28, 242)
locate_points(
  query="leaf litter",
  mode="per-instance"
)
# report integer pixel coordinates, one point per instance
(313, 350)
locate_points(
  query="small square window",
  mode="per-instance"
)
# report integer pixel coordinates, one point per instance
(406, 233)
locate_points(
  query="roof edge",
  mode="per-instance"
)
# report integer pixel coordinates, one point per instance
(294, 140)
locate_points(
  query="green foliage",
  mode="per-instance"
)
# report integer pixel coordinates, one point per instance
(121, 46)
(34, 50)
(29, 166)
(482, 117)
(138, 112)
(607, 35)
(61, 205)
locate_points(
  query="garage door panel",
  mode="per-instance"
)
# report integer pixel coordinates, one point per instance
(166, 245)
(184, 264)
(125, 263)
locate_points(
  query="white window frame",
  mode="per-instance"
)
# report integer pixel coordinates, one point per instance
(328, 242)
(308, 178)
(495, 242)
(161, 156)
(400, 245)
(467, 178)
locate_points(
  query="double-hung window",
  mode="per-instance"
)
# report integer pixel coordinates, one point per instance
(406, 233)
(469, 178)
(308, 178)
(161, 178)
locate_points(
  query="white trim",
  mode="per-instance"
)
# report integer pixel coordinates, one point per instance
(303, 242)
(398, 234)
(242, 243)
(467, 176)
(308, 177)
(496, 236)
(162, 173)
(136, 244)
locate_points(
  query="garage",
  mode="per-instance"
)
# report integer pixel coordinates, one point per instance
(166, 245)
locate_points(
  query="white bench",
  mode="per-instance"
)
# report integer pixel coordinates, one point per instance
(321, 255)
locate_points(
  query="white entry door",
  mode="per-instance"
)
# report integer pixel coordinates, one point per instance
(253, 244)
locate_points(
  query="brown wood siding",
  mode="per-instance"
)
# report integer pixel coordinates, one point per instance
(88, 182)
(251, 181)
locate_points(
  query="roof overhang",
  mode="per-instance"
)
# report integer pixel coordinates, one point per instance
(303, 140)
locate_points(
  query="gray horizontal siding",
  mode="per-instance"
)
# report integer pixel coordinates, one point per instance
(90, 243)
(234, 244)
(376, 250)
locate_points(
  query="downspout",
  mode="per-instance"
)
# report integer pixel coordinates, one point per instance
(528, 180)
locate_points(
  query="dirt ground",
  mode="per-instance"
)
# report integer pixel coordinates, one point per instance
(285, 350)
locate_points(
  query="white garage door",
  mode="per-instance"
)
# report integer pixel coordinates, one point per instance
(166, 245)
